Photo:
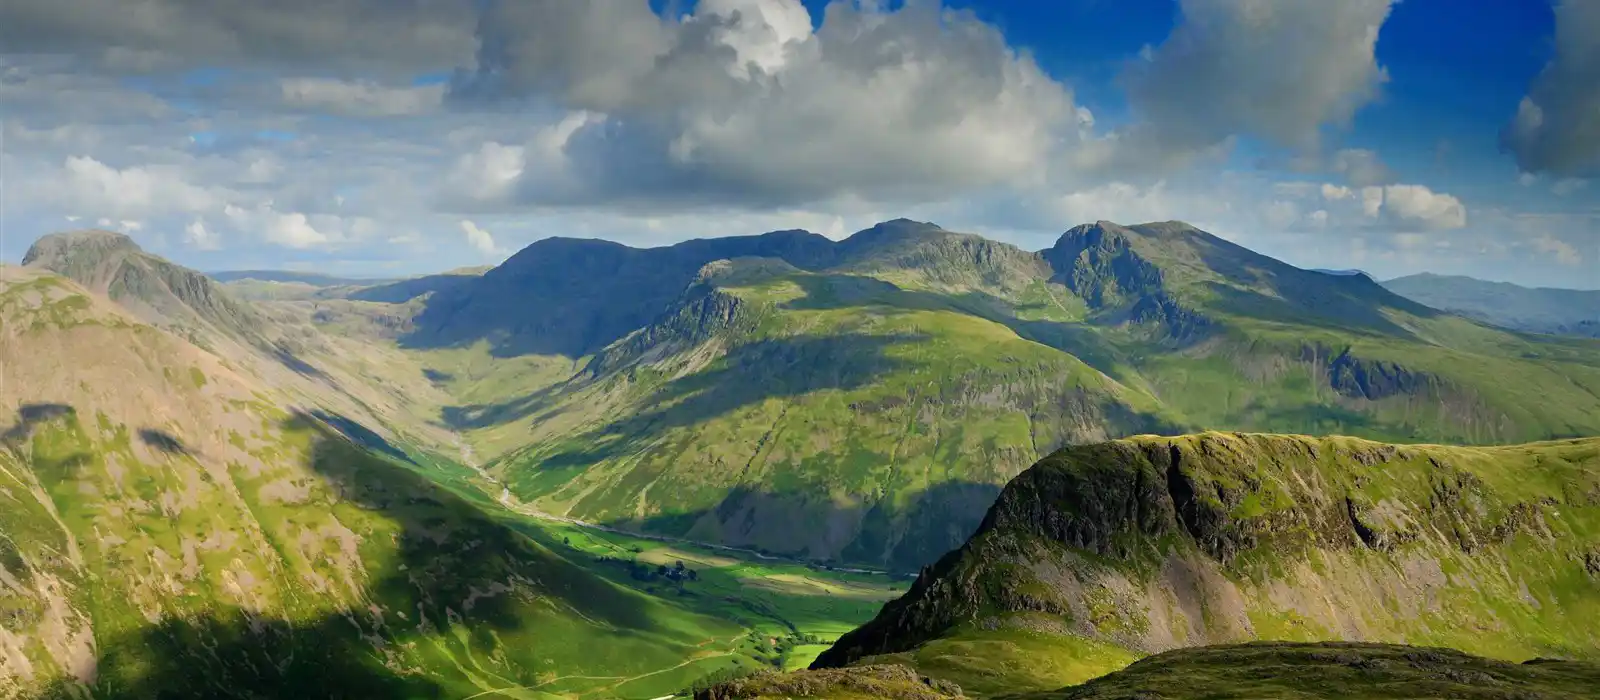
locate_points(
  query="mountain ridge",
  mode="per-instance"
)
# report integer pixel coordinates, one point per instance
(1152, 543)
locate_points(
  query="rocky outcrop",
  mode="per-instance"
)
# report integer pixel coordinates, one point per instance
(701, 313)
(1099, 264)
(1375, 379)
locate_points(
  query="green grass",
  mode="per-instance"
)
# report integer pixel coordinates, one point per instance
(1334, 671)
(1153, 542)
(1011, 658)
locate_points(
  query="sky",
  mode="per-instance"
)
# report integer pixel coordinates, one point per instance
(387, 137)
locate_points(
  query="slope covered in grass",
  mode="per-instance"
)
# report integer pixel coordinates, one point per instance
(1150, 543)
(865, 400)
(1334, 671)
(171, 529)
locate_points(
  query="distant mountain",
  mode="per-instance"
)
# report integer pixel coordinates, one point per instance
(1340, 273)
(1101, 553)
(1536, 310)
(863, 400)
(288, 276)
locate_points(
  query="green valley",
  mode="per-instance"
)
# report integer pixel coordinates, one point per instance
(597, 471)
(879, 391)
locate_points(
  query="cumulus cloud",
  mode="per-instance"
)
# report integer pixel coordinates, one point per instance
(199, 237)
(97, 188)
(479, 239)
(1556, 128)
(1414, 208)
(1563, 252)
(360, 98)
(294, 230)
(488, 174)
(743, 102)
(1279, 70)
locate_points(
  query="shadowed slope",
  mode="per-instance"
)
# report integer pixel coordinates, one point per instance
(170, 531)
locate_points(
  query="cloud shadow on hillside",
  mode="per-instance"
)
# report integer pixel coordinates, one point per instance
(163, 441)
(30, 416)
(446, 552)
(746, 375)
(1082, 339)
(899, 537)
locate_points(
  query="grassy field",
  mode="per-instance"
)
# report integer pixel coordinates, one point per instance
(790, 611)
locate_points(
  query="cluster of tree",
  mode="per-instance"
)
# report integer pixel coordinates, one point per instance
(776, 650)
(677, 573)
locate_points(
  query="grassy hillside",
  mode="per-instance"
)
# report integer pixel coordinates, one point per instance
(864, 400)
(1334, 672)
(826, 416)
(1103, 552)
(1286, 670)
(170, 530)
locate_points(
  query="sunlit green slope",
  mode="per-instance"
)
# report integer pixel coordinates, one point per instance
(168, 529)
(1102, 553)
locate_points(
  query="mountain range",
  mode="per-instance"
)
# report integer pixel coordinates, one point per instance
(878, 391)
(263, 483)
(1536, 310)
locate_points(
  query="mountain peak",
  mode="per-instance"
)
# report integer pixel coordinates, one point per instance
(157, 290)
(84, 245)
(895, 229)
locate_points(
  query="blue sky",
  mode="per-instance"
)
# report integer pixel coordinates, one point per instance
(360, 137)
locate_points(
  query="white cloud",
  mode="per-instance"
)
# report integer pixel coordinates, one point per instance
(360, 98)
(759, 110)
(293, 230)
(488, 174)
(1371, 201)
(1333, 192)
(1556, 129)
(1408, 206)
(1128, 203)
(201, 238)
(1563, 252)
(479, 239)
(92, 186)
(1278, 69)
